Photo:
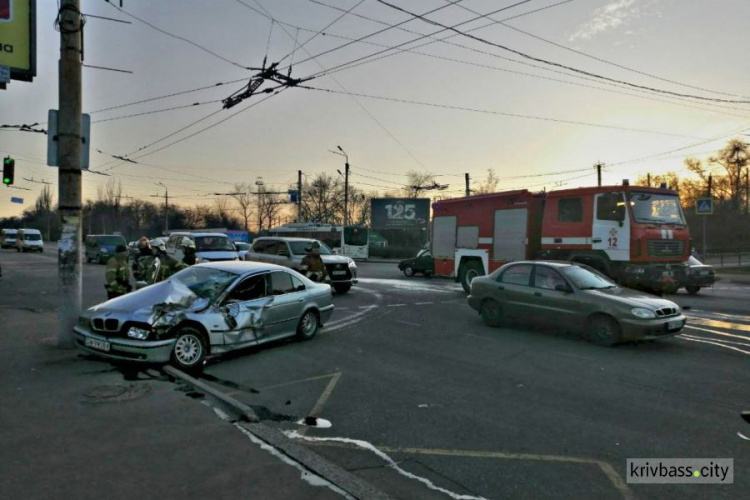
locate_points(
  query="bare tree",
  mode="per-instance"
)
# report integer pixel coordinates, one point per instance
(733, 158)
(269, 206)
(243, 195)
(322, 200)
(489, 185)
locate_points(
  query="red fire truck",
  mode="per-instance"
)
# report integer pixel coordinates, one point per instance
(636, 235)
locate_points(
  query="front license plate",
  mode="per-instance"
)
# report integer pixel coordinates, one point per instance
(674, 325)
(338, 273)
(97, 344)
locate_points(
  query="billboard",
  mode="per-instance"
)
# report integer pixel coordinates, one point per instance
(18, 38)
(394, 213)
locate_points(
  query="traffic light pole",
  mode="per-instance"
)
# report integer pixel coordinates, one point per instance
(69, 142)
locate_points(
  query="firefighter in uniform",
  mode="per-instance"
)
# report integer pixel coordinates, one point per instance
(143, 260)
(312, 265)
(167, 264)
(189, 258)
(118, 275)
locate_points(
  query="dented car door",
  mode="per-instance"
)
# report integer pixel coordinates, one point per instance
(245, 310)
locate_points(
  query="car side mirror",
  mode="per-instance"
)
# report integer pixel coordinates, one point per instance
(563, 288)
(233, 309)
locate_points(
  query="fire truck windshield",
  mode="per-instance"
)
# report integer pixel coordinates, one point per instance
(656, 208)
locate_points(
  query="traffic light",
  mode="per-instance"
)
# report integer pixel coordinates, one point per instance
(9, 170)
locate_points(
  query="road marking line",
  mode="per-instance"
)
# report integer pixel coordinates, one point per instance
(716, 332)
(423, 303)
(354, 316)
(736, 317)
(323, 399)
(715, 343)
(408, 323)
(605, 467)
(292, 382)
(395, 305)
(720, 324)
(391, 463)
(715, 340)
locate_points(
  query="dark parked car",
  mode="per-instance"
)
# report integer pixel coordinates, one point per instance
(698, 275)
(100, 247)
(573, 297)
(422, 263)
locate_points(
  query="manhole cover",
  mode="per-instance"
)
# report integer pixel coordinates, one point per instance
(117, 393)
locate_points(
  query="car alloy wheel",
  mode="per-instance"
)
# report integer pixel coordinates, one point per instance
(308, 325)
(189, 349)
(408, 271)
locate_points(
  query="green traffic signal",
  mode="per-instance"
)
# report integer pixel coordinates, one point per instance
(9, 169)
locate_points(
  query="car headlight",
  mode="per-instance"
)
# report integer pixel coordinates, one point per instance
(642, 313)
(352, 264)
(104, 250)
(138, 333)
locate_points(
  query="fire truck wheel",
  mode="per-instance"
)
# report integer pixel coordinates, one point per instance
(603, 330)
(491, 313)
(468, 272)
(408, 271)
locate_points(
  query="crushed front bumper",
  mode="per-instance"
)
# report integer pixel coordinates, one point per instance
(145, 351)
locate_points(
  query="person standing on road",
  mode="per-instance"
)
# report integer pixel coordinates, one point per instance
(167, 264)
(143, 260)
(312, 264)
(118, 275)
(188, 254)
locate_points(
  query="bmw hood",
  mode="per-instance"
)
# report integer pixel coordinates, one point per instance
(171, 293)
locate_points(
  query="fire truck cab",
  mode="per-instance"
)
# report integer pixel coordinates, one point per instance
(636, 235)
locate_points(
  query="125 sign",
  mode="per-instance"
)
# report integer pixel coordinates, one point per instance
(401, 211)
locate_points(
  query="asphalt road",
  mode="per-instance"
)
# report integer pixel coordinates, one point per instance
(406, 367)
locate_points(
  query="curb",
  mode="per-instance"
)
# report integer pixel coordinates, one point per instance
(356, 487)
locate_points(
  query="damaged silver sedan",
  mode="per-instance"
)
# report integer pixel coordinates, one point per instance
(205, 309)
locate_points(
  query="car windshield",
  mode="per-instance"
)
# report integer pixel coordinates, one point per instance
(213, 244)
(110, 240)
(422, 252)
(242, 246)
(656, 208)
(32, 237)
(300, 247)
(205, 282)
(587, 280)
(694, 262)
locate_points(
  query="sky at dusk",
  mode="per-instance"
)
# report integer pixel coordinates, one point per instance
(520, 92)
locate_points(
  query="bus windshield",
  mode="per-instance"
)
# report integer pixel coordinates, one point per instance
(656, 208)
(356, 236)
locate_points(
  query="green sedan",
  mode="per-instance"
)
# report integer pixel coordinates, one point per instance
(574, 297)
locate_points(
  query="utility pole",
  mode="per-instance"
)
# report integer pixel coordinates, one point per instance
(648, 179)
(708, 195)
(599, 166)
(166, 208)
(747, 191)
(299, 195)
(346, 187)
(69, 141)
(468, 182)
